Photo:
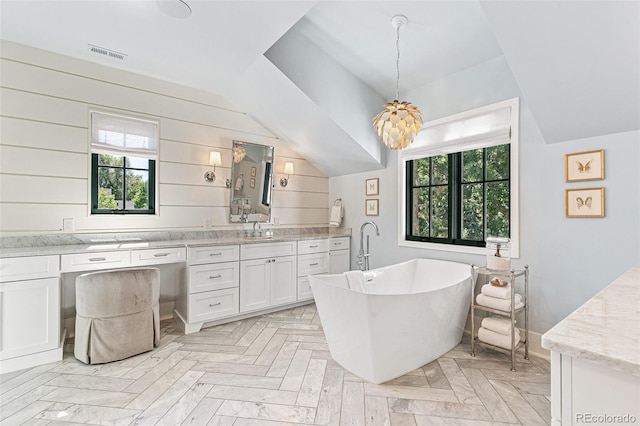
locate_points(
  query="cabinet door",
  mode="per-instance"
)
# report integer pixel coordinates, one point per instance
(304, 289)
(283, 280)
(254, 284)
(29, 317)
(338, 261)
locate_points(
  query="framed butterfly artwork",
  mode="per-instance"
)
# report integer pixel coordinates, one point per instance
(584, 202)
(588, 165)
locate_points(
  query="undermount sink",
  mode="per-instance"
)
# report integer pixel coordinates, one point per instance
(260, 237)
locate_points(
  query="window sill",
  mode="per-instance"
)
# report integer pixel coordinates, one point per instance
(442, 247)
(445, 247)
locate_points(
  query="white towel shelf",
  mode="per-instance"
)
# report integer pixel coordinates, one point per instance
(481, 276)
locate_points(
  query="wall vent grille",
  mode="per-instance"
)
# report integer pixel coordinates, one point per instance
(107, 52)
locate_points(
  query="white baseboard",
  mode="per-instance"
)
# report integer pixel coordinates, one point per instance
(535, 339)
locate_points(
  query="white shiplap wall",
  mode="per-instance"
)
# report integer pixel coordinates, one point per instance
(44, 148)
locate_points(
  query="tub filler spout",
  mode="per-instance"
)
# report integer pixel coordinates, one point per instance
(363, 256)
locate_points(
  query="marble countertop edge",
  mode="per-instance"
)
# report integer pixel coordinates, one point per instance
(588, 334)
(44, 250)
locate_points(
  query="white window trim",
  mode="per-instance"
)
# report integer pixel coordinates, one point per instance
(125, 220)
(409, 154)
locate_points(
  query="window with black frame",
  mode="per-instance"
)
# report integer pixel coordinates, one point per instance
(459, 198)
(122, 185)
(123, 164)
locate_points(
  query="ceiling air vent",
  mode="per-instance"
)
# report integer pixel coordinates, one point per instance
(106, 52)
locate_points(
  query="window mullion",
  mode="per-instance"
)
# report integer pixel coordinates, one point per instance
(485, 223)
(455, 194)
(124, 184)
(95, 182)
(409, 196)
(430, 198)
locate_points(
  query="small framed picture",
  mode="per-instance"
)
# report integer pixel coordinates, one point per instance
(588, 165)
(252, 182)
(584, 202)
(371, 207)
(253, 172)
(371, 186)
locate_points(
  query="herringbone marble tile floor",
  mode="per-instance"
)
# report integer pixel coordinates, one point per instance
(272, 370)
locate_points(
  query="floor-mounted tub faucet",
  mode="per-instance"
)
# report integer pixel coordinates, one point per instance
(363, 257)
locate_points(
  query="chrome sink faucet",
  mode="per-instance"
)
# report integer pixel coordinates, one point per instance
(363, 257)
(259, 231)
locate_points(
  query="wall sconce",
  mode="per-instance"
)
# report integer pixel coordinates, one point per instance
(214, 160)
(288, 170)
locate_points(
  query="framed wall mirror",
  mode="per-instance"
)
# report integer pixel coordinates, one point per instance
(251, 182)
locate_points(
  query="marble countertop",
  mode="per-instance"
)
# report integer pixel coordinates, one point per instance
(137, 243)
(606, 329)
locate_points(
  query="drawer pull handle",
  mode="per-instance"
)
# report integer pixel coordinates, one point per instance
(97, 259)
(215, 254)
(215, 276)
(337, 244)
(215, 304)
(313, 246)
(161, 254)
(313, 264)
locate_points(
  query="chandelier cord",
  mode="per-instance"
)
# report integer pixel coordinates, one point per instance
(398, 62)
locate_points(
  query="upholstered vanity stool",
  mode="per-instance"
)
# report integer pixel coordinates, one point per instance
(117, 314)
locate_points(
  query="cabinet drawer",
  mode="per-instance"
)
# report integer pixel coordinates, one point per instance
(213, 276)
(341, 243)
(259, 251)
(212, 254)
(96, 260)
(26, 268)
(213, 304)
(311, 264)
(313, 246)
(157, 256)
(304, 289)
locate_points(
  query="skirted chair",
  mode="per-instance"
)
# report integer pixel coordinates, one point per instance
(117, 314)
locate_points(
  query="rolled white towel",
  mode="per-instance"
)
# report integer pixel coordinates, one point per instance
(239, 184)
(336, 216)
(494, 291)
(355, 279)
(497, 339)
(500, 304)
(499, 325)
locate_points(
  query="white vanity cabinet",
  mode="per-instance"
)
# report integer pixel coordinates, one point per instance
(211, 289)
(595, 366)
(339, 255)
(313, 258)
(267, 275)
(29, 312)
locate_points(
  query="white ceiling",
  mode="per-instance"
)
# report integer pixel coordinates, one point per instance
(331, 64)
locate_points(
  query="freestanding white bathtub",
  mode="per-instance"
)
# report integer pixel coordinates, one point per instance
(386, 322)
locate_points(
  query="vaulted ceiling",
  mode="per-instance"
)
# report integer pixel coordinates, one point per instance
(314, 72)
